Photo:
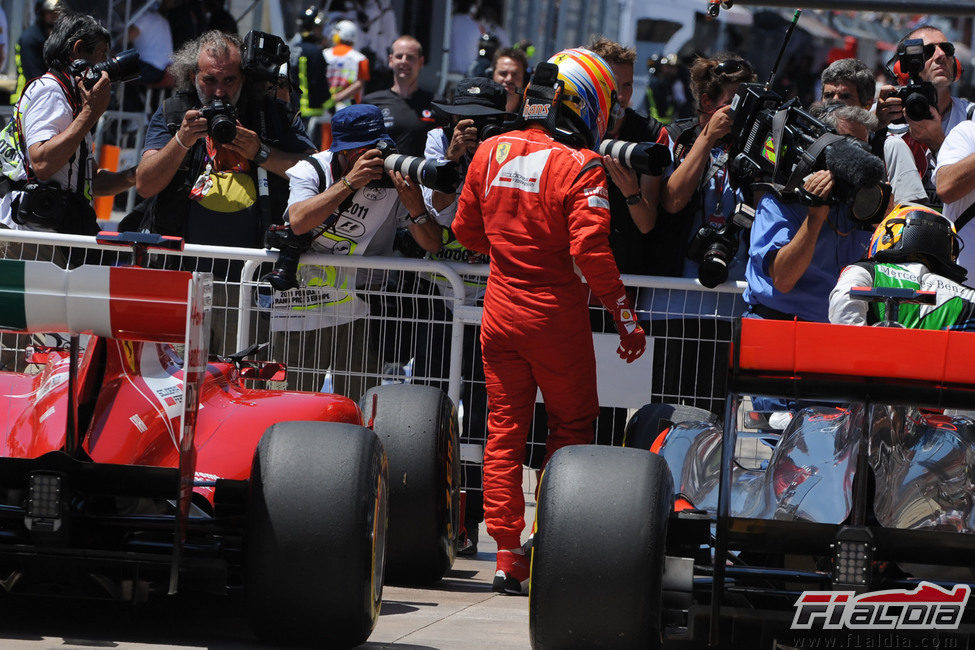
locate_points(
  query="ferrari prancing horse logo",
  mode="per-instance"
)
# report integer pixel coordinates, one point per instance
(502, 152)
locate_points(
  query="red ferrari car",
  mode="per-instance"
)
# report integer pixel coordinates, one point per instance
(130, 467)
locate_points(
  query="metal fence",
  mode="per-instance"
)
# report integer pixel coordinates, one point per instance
(399, 319)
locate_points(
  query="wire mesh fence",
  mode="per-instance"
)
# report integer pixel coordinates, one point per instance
(358, 322)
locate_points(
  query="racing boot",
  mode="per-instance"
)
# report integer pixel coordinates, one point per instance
(512, 572)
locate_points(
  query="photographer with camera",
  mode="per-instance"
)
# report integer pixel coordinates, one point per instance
(342, 202)
(925, 67)
(204, 158)
(52, 132)
(535, 200)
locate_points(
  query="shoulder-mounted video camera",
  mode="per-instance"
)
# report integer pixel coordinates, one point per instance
(917, 97)
(123, 67)
(263, 55)
(775, 145)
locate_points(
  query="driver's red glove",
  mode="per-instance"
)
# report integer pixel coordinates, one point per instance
(633, 340)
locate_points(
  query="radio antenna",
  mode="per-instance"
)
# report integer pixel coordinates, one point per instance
(785, 41)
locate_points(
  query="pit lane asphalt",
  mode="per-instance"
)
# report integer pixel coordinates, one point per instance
(459, 613)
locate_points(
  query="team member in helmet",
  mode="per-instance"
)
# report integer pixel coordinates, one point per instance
(914, 247)
(347, 68)
(536, 201)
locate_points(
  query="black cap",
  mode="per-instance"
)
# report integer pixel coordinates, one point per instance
(475, 96)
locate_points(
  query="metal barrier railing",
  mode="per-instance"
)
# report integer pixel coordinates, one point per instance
(419, 320)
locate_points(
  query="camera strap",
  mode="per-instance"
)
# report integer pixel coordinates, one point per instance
(323, 185)
(964, 218)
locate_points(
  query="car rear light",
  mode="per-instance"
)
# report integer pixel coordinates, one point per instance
(44, 505)
(852, 558)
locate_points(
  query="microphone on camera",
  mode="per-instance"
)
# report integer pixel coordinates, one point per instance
(853, 165)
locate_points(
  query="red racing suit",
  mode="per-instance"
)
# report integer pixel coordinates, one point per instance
(536, 206)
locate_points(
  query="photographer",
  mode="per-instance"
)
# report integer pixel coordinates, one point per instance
(937, 65)
(204, 172)
(545, 216)
(345, 209)
(56, 115)
(698, 193)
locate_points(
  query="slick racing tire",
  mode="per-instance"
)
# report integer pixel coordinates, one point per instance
(418, 428)
(598, 553)
(646, 424)
(315, 535)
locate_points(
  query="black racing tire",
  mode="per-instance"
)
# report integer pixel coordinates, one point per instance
(315, 534)
(646, 424)
(598, 552)
(418, 428)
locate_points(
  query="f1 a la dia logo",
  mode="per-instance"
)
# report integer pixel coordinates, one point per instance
(928, 607)
(502, 152)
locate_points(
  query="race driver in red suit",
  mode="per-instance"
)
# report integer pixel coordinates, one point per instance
(535, 200)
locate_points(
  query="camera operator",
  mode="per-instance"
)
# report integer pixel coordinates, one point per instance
(203, 173)
(347, 210)
(797, 251)
(925, 136)
(535, 199)
(56, 115)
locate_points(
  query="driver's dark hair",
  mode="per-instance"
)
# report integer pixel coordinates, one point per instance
(68, 30)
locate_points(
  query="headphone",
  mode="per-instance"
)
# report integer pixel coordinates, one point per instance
(894, 65)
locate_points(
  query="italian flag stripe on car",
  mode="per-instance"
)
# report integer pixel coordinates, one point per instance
(121, 302)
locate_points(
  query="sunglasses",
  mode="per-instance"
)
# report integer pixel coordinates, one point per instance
(947, 48)
(731, 66)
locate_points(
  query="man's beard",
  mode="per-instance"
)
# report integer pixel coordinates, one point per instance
(207, 100)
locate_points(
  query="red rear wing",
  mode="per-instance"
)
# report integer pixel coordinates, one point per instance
(793, 358)
(115, 302)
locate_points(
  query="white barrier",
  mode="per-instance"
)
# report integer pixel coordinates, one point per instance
(417, 330)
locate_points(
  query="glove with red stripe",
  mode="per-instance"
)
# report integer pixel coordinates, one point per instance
(633, 340)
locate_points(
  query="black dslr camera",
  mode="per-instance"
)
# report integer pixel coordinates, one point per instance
(221, 121)
(290, 248)
(263, 55)
(714, 248)
(124, 67)
(917, 96)
(439, 176)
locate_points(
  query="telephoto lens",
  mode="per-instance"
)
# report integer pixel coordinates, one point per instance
(440, 176)
(642, 157)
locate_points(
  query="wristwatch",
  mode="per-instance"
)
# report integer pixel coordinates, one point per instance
(420, 219)
(633, 199)
(263, 153)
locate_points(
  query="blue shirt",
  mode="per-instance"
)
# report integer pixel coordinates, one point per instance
(838, 245)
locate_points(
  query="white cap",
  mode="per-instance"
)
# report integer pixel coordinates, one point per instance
(347, 31)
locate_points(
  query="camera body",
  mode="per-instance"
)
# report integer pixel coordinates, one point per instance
(440, 176)
(43, 205)
(263, 54)
(221, 120)
(714, 248)
(917, 97)
(123, 67)
(290, 248)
